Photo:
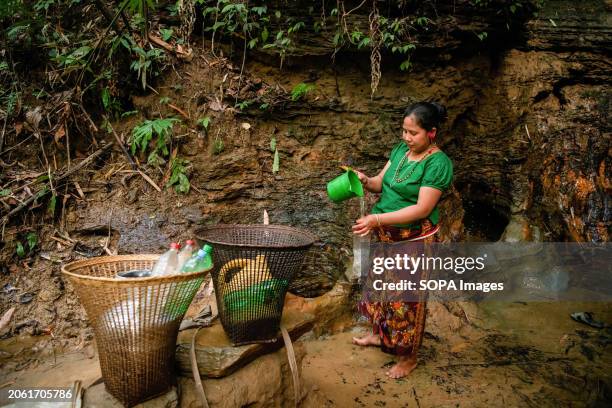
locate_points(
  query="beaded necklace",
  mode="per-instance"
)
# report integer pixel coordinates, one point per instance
(410, 169)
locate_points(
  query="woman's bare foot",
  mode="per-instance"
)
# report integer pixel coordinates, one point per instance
(404, 366)
(369, 340)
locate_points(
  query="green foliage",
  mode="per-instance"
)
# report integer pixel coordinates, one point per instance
(109, 103)
(138, 6)
(73, 59)
(164, 100)
(32, 240)
(41, 5)
(273, 144)
(144, 64)
(300, 90)
(218, 145)
(19, 250)
(178, 177)
(127, 114)
(144, 133)
(166, 33)
(204, 122)
(9, 8)
(243, 105)
(52, 204)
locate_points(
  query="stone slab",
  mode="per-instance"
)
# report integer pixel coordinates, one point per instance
(216, 355)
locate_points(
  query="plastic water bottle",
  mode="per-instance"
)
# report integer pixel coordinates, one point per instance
(186, 253)
(199, 262)
(167, 262)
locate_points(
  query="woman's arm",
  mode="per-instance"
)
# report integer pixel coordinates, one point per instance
(373, 184)
(428, 198)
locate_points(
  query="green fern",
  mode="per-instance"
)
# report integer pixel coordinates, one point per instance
(178, 177)
(147, 130)
(300, 90)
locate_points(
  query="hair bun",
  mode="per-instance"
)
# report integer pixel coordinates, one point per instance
(441, 111)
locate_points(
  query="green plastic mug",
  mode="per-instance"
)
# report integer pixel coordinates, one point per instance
(344, 187)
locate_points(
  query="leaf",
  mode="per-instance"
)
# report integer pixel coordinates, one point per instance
(204, 122)
(276, 163)
(52, 204)
(404, 66)
(128, 113)
(218, 25)
(5, 192)
(218, 146)
(301, 90)
(183, 184)
(552, 22)
(364, 42)
(106, 98)
(32, 239)
(227, 8)
(166, 33)
(265, 34)
(19, 250)
(273, 144)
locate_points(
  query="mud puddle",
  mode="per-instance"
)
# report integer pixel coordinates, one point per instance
(519, 355)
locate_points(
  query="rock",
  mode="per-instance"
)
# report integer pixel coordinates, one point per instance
(265, 382)
(192, 214)
(326, 309)
(519, 230)
(218, 358)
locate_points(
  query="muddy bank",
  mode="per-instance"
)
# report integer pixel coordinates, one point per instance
(520, 354)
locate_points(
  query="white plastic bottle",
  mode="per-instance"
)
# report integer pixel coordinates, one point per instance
(167, 262)
(185, 254)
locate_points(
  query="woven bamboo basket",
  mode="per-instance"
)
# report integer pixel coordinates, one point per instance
(254, 265)
(135, 321)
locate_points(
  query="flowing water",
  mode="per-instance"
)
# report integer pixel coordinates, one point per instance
(362, 206)
(361, 246)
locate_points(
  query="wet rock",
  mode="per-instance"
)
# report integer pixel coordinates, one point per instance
(192, 214)
(217, 357)
(267, 381)
(327, 308)
(519, 230)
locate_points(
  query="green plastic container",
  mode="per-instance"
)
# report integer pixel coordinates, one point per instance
(344, 187)
(240, 302)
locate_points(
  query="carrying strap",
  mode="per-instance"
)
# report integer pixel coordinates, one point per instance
(196, 372)
(292, 364)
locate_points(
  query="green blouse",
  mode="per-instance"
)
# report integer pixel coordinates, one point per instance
(436, 171)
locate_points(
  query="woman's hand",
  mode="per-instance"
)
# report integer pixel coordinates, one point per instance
(364, 225)
(362, 177)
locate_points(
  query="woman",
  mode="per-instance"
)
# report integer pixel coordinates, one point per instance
(411, 184)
